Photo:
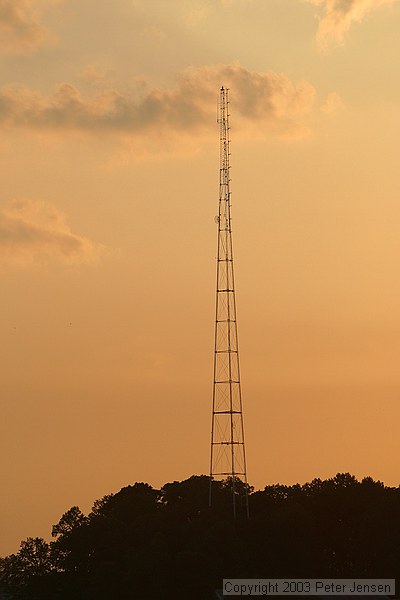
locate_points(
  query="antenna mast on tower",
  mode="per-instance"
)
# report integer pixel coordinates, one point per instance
(228, 458)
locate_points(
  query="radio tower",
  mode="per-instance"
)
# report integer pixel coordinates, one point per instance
(228, 458)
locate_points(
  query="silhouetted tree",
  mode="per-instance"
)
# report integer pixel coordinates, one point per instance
(148, 543)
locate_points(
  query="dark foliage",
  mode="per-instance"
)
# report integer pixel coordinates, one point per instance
(143, 543)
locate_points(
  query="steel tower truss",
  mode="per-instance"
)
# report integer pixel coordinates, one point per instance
(228, 458)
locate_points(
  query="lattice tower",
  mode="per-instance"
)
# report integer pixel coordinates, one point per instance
(228, 457)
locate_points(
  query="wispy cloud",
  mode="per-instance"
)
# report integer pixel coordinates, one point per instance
(339, 16)
(32, 232)
(268, 98)
(332, 104)
(20, 28)
(196, 12)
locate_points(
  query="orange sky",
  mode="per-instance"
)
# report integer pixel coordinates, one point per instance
(109, 169)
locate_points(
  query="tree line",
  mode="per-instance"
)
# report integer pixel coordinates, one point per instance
(145, 543)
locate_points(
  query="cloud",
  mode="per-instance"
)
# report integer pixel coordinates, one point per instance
(196, 12)
(267, 99)
(20, 28)
(196, 15)
(32, 232)
(332, 104)
(97, 76)
(339, 15)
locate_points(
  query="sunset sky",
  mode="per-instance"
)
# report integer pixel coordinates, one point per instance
(109, 189)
